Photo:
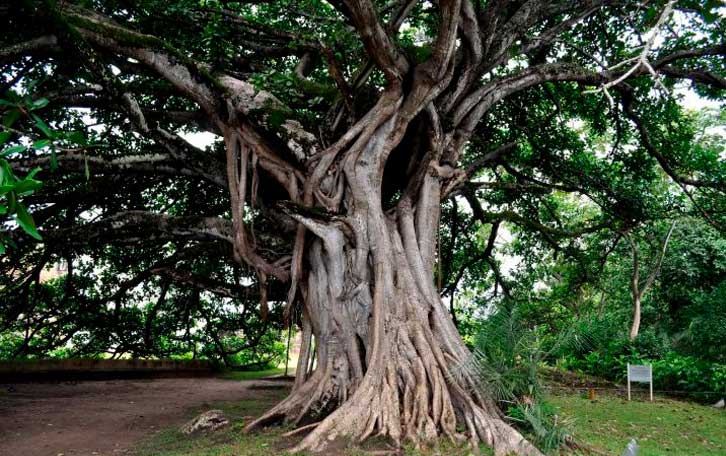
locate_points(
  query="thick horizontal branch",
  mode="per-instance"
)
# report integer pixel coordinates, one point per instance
(468, 113)
(189, 77)
(700, 76)
(488, 159)
(719, 49)
(218, 287)
(489, 94)
(195, 79)
(46, 43)
(140, 227)
(80, 162)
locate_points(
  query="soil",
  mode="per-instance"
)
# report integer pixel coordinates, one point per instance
(101, 417)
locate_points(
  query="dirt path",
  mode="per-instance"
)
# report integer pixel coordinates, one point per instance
(102, 417)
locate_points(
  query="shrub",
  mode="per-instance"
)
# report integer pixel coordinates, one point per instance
(541, 422)
(672, 371)
(677, 372)
(268, 351)
(507, 356)
(705, 335)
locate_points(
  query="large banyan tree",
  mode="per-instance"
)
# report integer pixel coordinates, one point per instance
(340, 128)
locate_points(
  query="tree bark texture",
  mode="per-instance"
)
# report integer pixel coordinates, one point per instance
(637, 289)
(387, 358)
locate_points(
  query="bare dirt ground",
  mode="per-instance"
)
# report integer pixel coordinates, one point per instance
(101, 417)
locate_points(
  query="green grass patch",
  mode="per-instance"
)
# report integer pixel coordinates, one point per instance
(661, 427)
(252, 375)
(270, 442)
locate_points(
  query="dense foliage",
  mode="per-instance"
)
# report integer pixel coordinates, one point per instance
(175, 325)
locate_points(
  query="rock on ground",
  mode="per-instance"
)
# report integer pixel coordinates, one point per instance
(206, 422)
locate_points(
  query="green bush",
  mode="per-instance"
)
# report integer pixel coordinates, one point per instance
(705, 334)
(268, 353)
(539, 420)
(508, 354)
(672, 371)
(677, 372)
(9, 345)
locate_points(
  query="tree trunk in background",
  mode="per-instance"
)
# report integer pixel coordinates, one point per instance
(635, 327)
(636, 289)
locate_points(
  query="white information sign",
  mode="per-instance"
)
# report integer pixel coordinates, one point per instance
(640, 374)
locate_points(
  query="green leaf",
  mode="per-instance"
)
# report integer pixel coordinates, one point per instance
(42, 126)
(3, 210)
(32, 173)
(53, 160)
(4, 136)
(11, 97)
(28, 185)
(2, 248)
(11, 117)
(41, 143)
(39, 103)
(6, 172)
(11, 202)
(76, 136)
(15, 149)
(26, 222)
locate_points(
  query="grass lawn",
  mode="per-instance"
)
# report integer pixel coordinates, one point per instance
(662, 427)
(254, 375)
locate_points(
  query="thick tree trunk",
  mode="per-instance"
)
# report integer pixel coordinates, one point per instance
(387, 358)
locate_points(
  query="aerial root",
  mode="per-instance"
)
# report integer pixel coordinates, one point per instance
(410, 398)
(294, 407)
(407, 394)
(497, 434)
(301, 429)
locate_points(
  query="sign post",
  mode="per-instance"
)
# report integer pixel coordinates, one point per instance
(641, 374)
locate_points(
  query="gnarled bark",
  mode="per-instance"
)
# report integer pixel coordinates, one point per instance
(386, 352)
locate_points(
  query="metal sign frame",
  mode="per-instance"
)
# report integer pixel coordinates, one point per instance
(641, 374)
